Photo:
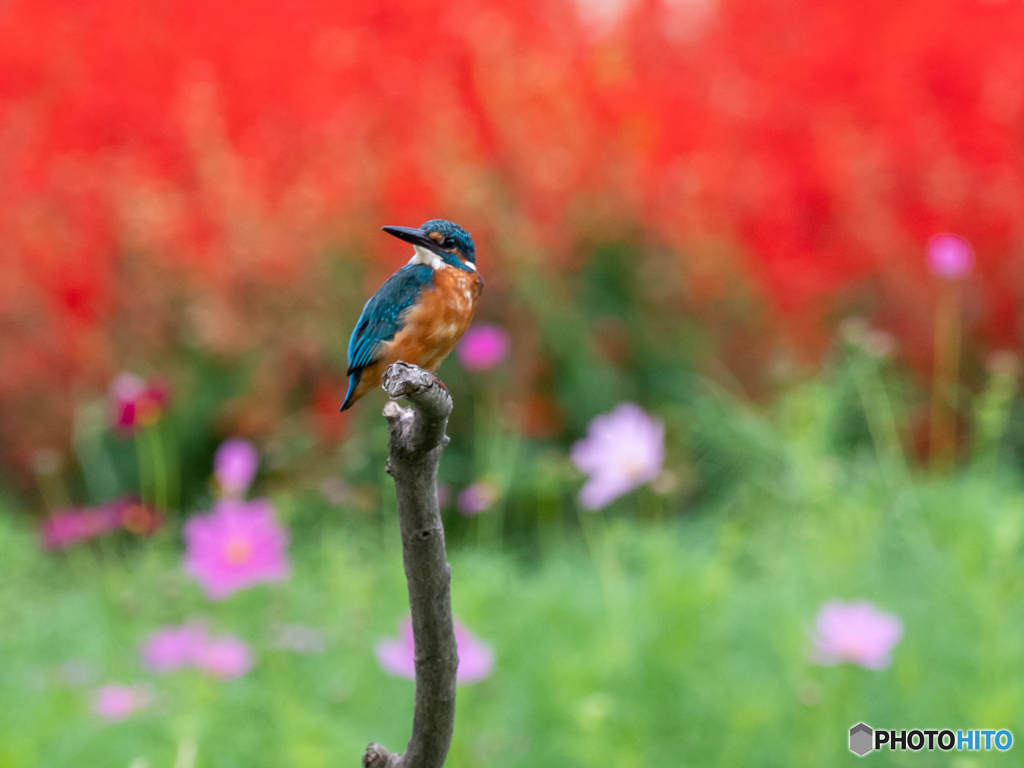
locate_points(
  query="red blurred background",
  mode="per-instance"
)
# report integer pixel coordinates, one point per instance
(183, 174)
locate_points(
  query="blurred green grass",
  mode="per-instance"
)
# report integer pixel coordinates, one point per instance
(678, 642)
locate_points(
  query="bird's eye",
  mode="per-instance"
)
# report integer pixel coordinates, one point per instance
(449, 242)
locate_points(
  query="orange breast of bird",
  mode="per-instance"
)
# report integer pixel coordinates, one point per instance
(435, 324)
(432, 326)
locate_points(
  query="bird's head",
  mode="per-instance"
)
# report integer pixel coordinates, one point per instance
(442, 239)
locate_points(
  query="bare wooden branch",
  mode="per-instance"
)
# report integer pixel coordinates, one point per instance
(416, 438)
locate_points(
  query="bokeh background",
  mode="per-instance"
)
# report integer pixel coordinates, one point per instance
(790, 232)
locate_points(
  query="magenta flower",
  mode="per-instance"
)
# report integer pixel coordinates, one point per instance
(173, 648)
(189, 646)
(136, 403)
(67, 527)
(398, 656)
(476, 498)
(234, 466)
(62, 529)
(857, 633)
(950, 256)
(225, 657)
(483, 347)
(235, 546)
(116, 702)
(622, 450)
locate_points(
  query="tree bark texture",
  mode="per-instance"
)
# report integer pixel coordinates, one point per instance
(416, 439)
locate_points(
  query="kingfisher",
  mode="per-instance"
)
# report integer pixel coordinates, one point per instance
(421, 311)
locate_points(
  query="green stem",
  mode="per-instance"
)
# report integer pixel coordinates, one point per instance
(942, 437)
(480, 455)
(991, 417)
(156, 449)
(97, 469)
(881, 419)
(594, 529)
(495, 454)
(892, 460)
(549, 515)
(505, 457)
(145, 479)
(173, 467)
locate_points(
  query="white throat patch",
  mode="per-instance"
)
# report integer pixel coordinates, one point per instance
(423, 256)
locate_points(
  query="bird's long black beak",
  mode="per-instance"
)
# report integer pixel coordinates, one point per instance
(414, 236)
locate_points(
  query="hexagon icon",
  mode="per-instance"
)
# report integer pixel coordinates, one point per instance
(861, 739)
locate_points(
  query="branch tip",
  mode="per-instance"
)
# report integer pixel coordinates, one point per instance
(401, 379)
(378, 757)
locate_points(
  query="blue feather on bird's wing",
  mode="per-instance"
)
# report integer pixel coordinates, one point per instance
(381, 318)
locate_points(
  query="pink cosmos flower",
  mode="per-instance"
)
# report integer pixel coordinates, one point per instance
(622, 450)
(234, 466)
(950, 256)
(116, 702)
(173, 648)
(483, 347)
(476, 498)
(225, 657)
(398, 657)
(136, 403)
(189, 646)
(235, 546)
(857, 633)
(68, 527)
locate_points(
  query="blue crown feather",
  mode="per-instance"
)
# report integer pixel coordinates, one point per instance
(462, 238)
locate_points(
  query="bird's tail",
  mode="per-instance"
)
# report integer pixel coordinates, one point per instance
(350, 396)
